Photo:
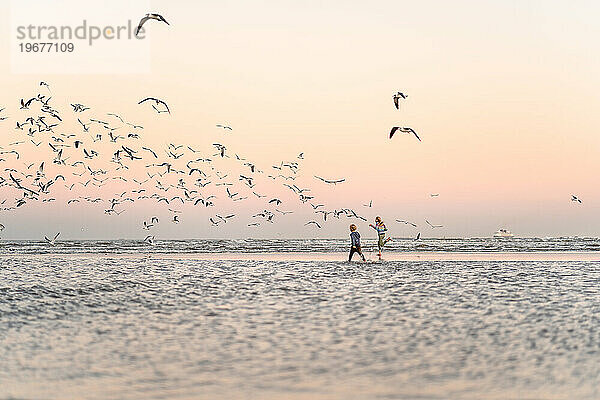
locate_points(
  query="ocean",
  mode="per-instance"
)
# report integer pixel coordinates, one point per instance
(212, 319)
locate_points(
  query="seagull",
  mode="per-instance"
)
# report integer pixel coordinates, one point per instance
(313, 222)
(301, 156)
(406, 222)
(149, 239)
(434, 226)
(276, 201)
(335, 182)
(397, 98)
(151, 151)
(158, 102)
(434, 194)
(225, 218)
(403, 130)
(25, 104)
(283, 212)
(575, 198)
(52, 242)
(79, 107)
(224, 127)
(418, 236)
(369, 205)
(85, 127)
(147, 17)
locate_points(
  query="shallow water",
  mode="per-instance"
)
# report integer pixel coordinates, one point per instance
(194, 246)
(108, 327)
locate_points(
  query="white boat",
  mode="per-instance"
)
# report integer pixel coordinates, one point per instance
(503, 233)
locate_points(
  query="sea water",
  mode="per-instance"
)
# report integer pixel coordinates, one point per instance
(123, 320)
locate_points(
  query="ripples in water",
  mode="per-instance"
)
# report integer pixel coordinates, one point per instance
(127, 328)
(299, 245)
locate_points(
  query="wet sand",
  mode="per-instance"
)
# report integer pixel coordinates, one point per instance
(341, 257)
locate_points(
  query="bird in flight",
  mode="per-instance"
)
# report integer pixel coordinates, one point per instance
(158, 103)
(79, 107)
(313, 222)
(369, 205)
(331, 181)
(45, 84)
(575, 199)
(434, 226)
(434, 194)
(406, 222)
(224, 127)
(156, 17)
(397, 98)
(403, 130)
(25, 104)
(52, 242)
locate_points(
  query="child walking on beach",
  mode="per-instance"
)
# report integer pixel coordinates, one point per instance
(381, 230)
(355, 238)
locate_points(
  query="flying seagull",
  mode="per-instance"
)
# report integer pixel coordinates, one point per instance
(335, 182)
(575, 198)
(156, 17)
(403, 130)
(313, 222)
(397, 98)
(406, 222)
(45, 84)
(158, 102)
(52, 242)
(434, 226)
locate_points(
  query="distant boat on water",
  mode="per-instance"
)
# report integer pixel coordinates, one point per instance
(503, 233)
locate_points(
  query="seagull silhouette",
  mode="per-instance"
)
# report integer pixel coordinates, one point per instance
(313, 222)
(434, 226)
(52, 242)
(397, 98)
(149, 16)
(403, 130)
(158, 102)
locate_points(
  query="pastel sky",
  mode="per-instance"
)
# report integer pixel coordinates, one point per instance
(504, 94)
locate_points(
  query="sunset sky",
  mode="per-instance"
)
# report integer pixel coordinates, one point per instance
(504, 95)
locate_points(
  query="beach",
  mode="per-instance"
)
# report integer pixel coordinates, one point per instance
(298, 325)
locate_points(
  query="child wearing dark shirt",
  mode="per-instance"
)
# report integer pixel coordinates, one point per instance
(355, 238)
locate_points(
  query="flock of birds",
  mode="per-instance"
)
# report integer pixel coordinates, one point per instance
(106, 150)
